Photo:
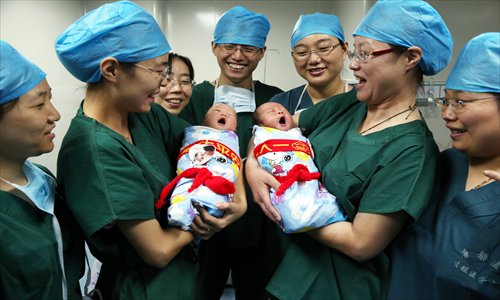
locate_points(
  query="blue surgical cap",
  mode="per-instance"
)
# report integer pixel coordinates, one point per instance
(477, 68)
(410, 23)
(18, 75)
(122, 30)
(317, 23)
(241, 26)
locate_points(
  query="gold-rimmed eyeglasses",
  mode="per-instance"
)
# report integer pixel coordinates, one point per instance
(457, 104)
(300, 54)
(163, 74)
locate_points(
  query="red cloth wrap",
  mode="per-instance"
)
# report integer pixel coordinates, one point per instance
(299, 172)
(217, 184)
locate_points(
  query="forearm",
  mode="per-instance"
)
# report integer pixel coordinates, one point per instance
(365, 237)
(155, 245)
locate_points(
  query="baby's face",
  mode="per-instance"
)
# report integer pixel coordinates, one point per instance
(222, 117)
(274, 115)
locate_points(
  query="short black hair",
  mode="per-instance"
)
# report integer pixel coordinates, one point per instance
(184, 59)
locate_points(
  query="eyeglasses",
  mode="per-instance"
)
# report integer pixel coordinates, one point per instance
(181, 82)
(456, 104)
(363, 57)
(163, 74)
(248, 51)
(321, 51)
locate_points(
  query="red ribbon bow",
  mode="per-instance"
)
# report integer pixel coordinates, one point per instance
(217, 184)
(299, 172)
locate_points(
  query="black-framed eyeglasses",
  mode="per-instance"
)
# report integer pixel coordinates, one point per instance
(248, 51)
(456, 104)
(321, 52)
(363, 57)
(163, 74)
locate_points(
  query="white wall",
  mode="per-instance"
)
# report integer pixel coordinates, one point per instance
(32, 27)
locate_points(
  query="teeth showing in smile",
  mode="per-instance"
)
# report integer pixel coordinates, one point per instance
(235, 66)
(174, 101)
(458, 130)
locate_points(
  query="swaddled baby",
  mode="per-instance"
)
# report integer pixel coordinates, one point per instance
(207, 167)
(284, 152)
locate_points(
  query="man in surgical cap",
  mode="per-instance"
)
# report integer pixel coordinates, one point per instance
(453, 251)
(239, 44)
(42, 249)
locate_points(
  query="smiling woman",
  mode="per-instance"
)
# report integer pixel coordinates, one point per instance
(175, 91)
(118, 152)
(453, 251)
(318, 51)
(49, 265)
(374, 153)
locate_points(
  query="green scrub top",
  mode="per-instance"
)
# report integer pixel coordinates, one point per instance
(30, 267)
(383, 172)
(454, 248)
(244, 232)
(106, 179)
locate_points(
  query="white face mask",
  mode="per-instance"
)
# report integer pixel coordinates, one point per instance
(241, 99)
(40, 188)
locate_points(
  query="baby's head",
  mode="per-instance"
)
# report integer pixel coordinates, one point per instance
(221, 116)
(275, 115)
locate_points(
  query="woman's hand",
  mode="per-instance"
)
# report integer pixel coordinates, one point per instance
(492, 174)
(205, 225)
(260, 181)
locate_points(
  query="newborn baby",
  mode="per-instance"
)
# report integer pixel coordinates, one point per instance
(207, 167)
(284, 152)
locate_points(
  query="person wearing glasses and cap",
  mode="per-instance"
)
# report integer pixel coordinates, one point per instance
(453, 251)
(318, 51)
(175, 91)
(119, 152)
(239, 44)
(42, 250)
(375, 154)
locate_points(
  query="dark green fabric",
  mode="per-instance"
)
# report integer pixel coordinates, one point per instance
(453, 251)
(30, 267)
(384, 172)
(290, 99)
(106, 179)
(247, 232)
